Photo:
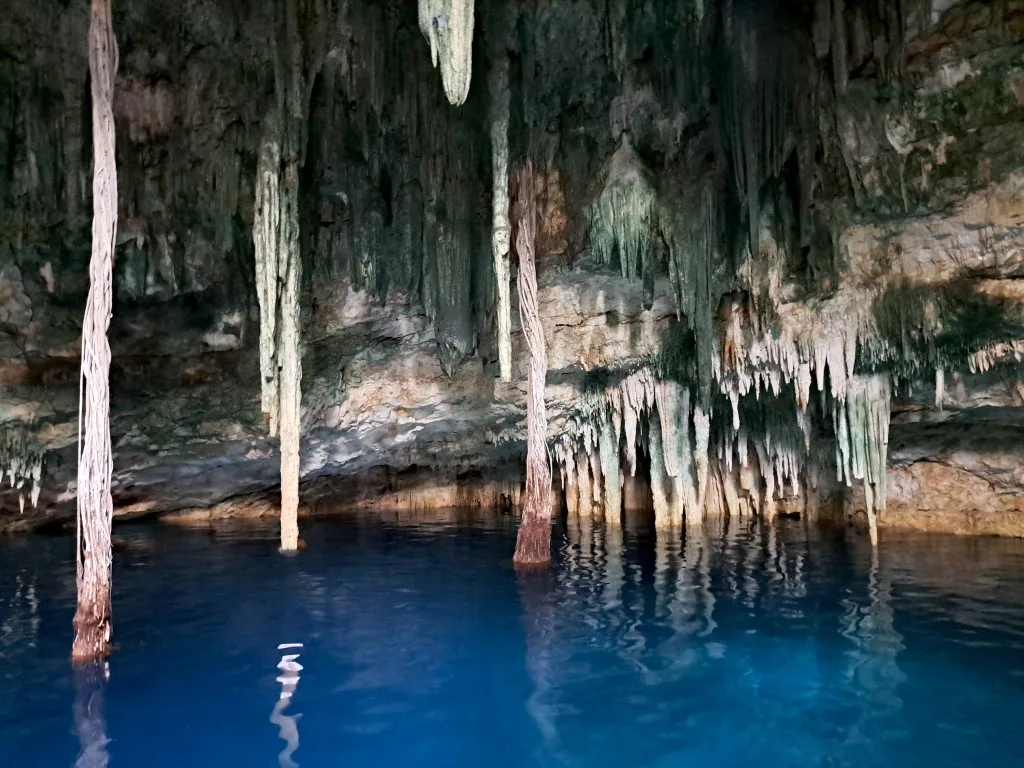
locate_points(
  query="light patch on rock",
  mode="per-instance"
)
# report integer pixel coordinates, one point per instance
(15, 305)
(949, 76)
(220, 342)
(46, 272)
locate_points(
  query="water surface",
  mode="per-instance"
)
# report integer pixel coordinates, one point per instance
(420, 646)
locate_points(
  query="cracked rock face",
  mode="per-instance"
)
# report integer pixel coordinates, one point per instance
(914, 179)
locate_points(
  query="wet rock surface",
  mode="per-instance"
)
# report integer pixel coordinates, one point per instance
(920, 184)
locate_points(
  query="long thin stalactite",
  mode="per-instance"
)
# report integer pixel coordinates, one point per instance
(92, 620)
(278, 261)
(533, 545)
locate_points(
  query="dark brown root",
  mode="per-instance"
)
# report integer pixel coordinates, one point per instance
(533, 546)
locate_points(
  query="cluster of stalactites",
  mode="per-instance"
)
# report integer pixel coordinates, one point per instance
(741, 457)
(623, 221)
(810, 350)
(989, 356)
(693, 253)
(448, 27)
(696, 468)
(21, 463)
(862, 439)
(818, 348)
(768, 439)
(589, 453)
(679, 471)
(759, 92)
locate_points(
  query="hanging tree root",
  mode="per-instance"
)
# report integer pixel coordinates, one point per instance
(533, 546)
(95, 507)
(500, 226)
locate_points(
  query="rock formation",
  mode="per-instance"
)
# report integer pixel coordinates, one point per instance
(778, 248)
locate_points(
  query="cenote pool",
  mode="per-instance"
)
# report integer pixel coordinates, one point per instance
(422, 647)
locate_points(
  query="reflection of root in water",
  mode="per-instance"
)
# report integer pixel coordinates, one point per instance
(544, 656)
(90, 685)
(287, 725)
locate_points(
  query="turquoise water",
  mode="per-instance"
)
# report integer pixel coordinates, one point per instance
(422, 647)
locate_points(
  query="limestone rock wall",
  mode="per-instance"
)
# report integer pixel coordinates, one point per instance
(767, 226)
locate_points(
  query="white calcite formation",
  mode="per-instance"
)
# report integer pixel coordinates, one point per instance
(448, 27)
(21, 464)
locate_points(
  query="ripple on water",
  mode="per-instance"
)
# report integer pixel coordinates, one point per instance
(421, 646)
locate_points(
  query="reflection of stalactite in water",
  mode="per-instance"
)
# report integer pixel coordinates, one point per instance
(703, 568)
(791, 569)
(676, 600)
(287, 725)
(17, 628)
(732, 552)
(665, 546)
(90, 685)
(874, 672)
(684, 601)
(751, 551)
(586, 544)
(615, 575)
(572, 528)
(536, 593)
(775, 554)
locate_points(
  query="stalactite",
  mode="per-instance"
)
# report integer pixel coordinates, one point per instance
(266, 236)
(454, 324)
(634, 403)
(291, 370)
(840, 67)
(92, 622)
(759, 91)
(596, 477)
(611, 472)
(862, 439)
(570, 482)
(666, 513)
(533, 545)
(693, 253)
(278, 260)
(674, 413)
(500, 226)
(448, 27)
(585, 483)
(623, 221)
(899, 133)
(22, 462)
(702, 437)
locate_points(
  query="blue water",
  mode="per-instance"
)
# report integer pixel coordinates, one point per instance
(422, 647)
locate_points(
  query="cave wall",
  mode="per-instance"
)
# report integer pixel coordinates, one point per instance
(813, 163)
